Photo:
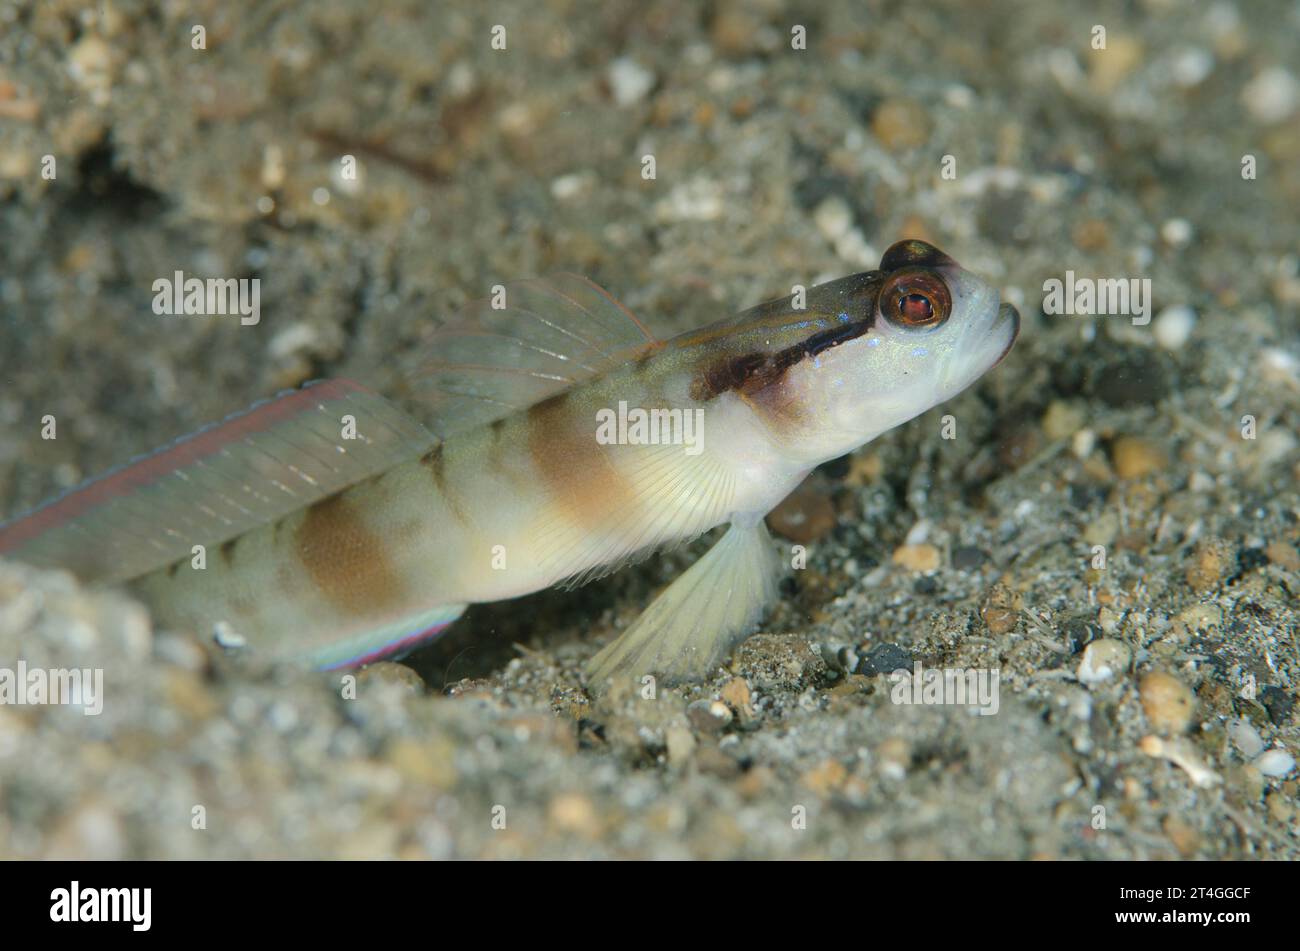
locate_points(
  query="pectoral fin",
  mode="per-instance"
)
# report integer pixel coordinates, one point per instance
(697, 620)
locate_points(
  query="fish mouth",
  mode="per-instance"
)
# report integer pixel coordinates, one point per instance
(1007, 316)
(983, 347)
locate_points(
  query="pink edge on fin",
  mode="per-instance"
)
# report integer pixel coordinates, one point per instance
(388, 650)
(148, 469)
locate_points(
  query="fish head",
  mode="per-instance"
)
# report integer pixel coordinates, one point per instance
(910, 335)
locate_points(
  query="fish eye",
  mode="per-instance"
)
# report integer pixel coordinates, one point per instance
(915, 298)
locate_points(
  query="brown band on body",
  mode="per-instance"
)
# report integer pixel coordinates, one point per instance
(347, 562)
(575, 469)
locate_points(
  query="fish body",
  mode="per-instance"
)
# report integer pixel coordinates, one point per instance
(587, 444)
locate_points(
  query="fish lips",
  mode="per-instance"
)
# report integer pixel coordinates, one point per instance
(984, 345)
(1008, 321)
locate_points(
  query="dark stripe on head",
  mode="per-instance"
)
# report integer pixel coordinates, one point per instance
(751, 372)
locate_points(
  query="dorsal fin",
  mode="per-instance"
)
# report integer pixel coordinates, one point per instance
(215, 484)
(550, 334)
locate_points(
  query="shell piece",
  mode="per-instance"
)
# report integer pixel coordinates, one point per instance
(1276, 762)
(1245, 737)
(1102, 660)
(1182, 754)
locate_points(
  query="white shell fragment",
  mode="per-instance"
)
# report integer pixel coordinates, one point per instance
(1276, 762)
(1102, 660)
(1183, 755)
(1245, 738)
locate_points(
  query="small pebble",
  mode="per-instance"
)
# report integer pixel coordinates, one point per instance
(629, 81)
(833, 218)
(825, 777)
(1176, 232)
(1102, 660)
(1183, 835)
(566, 187)
(681, 744)
(1245, 738)
(1062, 420)
(698, 199)
(1280, 553)
(1173, 326)
(736, 694)
(1271, 96)
(1196, 618)
(885, 659)
(227, 638)
(709, 716)
(895, 755)
(917, 557)
(1280, 808)
(1102, 530)
(968, 558)
(1192, 66)
(391, 672)
(90, 64)
(1167, 702)
(1084, 441)
(1208, 564)
(1134, 457)
(573, 812)
(1001, 609)
(1108, 620)
(900, 124)
(1108, 68)
(1276, 762)
(806, 515)
(1278, 702)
